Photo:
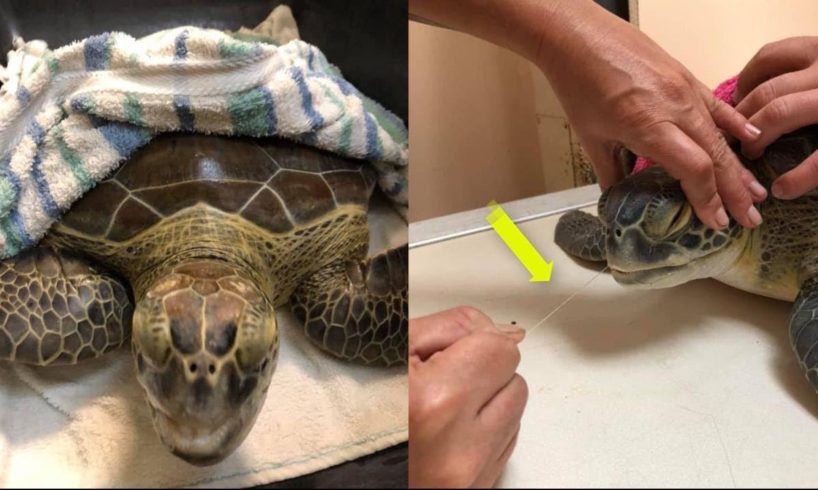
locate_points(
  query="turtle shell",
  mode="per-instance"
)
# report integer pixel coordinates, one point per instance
(276, 184)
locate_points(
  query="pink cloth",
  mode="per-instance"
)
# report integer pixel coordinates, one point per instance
(724, 91)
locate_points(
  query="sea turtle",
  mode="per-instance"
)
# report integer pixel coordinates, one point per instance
(187, 249)
(650, 238)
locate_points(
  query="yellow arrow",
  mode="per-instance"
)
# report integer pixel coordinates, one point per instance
(539, 269)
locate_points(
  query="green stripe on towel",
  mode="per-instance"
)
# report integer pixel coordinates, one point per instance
(229, 49)
(133, 109)
(74, 162)
(249, 113)
(53, 63)
(12, 246)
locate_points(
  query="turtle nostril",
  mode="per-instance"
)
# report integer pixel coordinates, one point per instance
(618, 232)
(193, 367)
(211, 369)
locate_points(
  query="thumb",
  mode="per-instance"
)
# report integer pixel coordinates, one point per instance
(603, 159)
(515, 333)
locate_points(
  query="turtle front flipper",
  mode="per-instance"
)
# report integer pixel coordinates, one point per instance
(359, 310)
(581, 235)
(56, 309)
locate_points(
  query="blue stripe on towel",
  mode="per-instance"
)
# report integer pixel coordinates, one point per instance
(346, 87)
(181, 46)
(82, 103)
(125, 138)
(17, 233)
(97, 121)
(23, 95)
(49, 205)
(269, 110)
(5, 166)
(186, 119)
(97, 52)
(311, 60)
(36, 132)
(316, 120)
(373, 150)
(18, 229)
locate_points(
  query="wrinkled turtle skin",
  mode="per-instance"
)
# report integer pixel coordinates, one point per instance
(187, 250)
(650, 238)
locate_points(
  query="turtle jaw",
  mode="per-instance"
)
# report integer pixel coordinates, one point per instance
(665, 276)
(204, 442)
(200, 445)
(659, 277)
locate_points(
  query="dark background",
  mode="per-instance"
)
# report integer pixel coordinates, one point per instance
(366, 39)
(618, 7)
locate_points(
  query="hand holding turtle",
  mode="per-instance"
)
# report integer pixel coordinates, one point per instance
(465, 399)
(778, 91)
(619, 88)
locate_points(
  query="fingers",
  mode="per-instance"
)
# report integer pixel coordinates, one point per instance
(480, 364)
(506, 407)
(781, 116)
(501, 416)
(799, 180)
(772, 60)
(728, 118)
(757, 190)
(770, 90)
(686, 161)
(433, 333)
(729, 174)
(494, 469)
(506, 454)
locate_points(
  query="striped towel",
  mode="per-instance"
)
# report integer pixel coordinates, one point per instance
(69, 117)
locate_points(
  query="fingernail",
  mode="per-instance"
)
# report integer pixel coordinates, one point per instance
(758, 190)
(721, 218)
(778, 191)
(754, 131)
(512, 331)
(754, 216)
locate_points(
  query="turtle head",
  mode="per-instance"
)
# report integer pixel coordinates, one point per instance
(655, 239)
(205, 344)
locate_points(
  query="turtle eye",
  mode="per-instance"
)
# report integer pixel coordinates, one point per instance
(680, 220)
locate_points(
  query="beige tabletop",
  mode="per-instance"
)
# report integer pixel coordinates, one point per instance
(690, 386)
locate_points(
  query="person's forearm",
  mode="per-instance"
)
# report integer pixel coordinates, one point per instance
(523, 26)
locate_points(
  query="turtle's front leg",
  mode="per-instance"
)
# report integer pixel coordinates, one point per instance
(581, 235)
(55, 309)
(359, 310)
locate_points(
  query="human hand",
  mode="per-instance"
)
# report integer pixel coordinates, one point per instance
(619, 88)
(465, 399)
(778, 92)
